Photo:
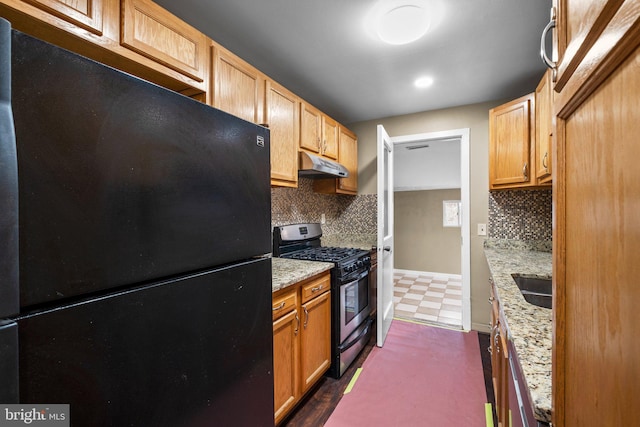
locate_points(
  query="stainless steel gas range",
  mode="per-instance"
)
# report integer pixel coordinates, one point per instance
(351, 302)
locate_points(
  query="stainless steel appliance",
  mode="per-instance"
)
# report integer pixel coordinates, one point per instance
(135, 269)
(350, 288)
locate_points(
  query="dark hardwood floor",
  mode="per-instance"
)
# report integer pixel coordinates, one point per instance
(314, 410)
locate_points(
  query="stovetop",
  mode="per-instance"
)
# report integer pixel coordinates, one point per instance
(302, 241)
(349, 262)
(326, 254)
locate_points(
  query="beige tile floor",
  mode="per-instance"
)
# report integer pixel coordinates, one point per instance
(428, 297)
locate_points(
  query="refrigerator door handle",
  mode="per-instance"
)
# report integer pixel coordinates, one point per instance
(9, 362)
(9, 287)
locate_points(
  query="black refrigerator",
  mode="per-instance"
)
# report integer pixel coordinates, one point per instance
(135, 280)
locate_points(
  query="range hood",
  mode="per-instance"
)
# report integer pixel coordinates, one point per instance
(312, 166)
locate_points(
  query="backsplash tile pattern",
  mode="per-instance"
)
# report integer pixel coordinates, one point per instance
(343, 214)
(520, 214)
(513, 214)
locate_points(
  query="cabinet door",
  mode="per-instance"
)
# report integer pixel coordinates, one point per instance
(87, 14)
(348, 156)
(282, 117)
(310, 128)
(315, 357)
(596, 212)
(544, 131)
(330, 136)
(237, 86)
(285, 363)
(155, 33)
(510, 144)
(595, 215)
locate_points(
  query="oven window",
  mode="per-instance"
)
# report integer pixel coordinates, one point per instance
(356, 298)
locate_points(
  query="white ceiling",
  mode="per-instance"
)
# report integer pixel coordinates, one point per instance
(483, 50)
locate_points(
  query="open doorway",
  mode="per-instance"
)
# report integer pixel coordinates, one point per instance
(432, 255)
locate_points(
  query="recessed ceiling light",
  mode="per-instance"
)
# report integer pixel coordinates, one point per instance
(399, 21)
(423, 82)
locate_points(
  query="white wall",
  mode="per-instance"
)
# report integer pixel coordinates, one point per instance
(476, 118)
(436, 167)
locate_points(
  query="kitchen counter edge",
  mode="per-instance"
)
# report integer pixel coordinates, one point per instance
(287, 272)
(529, 326)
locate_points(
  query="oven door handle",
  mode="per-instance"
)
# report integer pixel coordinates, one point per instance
(346, 346)
(348, 280)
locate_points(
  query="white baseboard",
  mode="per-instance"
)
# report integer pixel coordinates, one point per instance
(428, 273)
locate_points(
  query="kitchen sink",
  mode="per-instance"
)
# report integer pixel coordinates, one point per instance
(535, 290)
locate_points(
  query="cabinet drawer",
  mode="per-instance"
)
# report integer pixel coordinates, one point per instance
(155, 33)
(283, 304)
(316, 287)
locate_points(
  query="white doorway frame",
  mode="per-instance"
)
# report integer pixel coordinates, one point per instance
(463, 135)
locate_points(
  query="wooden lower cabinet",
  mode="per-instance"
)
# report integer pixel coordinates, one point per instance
(500, 369)
(285, 363)
(301, 340)
(315, 348)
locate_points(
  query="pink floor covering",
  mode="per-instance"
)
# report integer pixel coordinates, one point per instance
(423, 376)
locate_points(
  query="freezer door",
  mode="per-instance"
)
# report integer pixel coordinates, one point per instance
(8, 184)
(123, 182)
(191, 352)
(8, 362)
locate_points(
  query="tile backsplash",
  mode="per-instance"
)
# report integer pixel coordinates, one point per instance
(513, 214)
(520, 214)
(343, 214)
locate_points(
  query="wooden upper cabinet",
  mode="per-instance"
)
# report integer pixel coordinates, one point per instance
(510, 149)
(544, 128)
(281, 115)
(348, 157)
(87, 14)
(330, 136)
(155, 33)
(237, 86)
(578, 30)
(318, 132)
(310, 128)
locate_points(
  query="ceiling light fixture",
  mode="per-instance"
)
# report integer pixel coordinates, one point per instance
(423, 82)
(400, 22)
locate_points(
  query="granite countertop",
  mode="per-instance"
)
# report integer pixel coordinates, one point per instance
(287, 272)
(530, 327)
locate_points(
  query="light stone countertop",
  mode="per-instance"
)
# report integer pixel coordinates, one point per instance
(287, 272)
(530, 327)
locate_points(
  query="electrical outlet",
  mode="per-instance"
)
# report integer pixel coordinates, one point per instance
(482, 229)
(322, 219)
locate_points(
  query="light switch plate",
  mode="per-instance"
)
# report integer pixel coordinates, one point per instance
(482, 229)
